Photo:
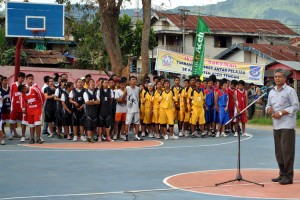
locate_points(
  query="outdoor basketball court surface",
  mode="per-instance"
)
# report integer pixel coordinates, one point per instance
(152, 169)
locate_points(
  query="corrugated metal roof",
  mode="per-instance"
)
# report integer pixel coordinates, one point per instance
(227, 24)
(292, 64)
(278, 52)
(35, 57)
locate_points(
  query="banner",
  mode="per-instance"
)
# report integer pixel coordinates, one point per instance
(198, 60)
(173, 62)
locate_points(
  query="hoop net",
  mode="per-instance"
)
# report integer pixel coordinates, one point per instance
(39, 37)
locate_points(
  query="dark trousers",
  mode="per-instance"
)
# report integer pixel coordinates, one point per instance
(251, 111)
(285, 151)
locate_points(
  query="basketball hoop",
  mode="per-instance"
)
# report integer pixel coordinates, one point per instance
(39, 37)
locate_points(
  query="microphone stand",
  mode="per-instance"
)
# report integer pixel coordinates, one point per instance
(239, 175)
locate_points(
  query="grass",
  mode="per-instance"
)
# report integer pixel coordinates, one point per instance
(267, 121)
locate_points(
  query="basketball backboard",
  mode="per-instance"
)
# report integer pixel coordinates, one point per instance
(25, 19)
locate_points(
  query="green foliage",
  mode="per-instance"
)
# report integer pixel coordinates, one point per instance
(5, 43)
(9, 57)
(267, 121)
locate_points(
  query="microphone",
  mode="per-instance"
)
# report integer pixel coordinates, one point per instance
(265, 89)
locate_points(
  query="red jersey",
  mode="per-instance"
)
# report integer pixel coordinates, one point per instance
(230, 93)
(15, 97)
(241, 99)
(33, 101)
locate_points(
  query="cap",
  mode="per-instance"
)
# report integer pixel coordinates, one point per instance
(82, 78)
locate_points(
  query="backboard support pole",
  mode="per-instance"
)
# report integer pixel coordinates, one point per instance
(18, 57)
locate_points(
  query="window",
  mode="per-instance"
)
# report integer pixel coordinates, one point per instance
(249, 40)
(223, 41)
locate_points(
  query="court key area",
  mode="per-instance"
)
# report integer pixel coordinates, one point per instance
(152, 169)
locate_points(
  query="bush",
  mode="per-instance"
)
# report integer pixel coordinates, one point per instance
(9, 57)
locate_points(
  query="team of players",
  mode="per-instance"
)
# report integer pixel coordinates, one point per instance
(107, 110)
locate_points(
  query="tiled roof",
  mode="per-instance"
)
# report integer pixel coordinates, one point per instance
(277, 52)
(35, 57)
(227, 24)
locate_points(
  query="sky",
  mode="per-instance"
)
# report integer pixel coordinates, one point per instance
(166, 4)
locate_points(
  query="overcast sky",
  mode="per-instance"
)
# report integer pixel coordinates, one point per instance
(167, 4)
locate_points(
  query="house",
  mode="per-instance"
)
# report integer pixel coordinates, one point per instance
(226, 31)
(293, 68)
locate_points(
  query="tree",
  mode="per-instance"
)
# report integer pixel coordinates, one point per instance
(146, 36)
(109, 14)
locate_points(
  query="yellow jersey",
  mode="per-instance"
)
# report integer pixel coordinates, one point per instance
(156, 98)
(182, 96)
(167, 100)
(148, 99)
(198, 98)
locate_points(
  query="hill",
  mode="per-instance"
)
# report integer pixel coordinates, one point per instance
(286, 11)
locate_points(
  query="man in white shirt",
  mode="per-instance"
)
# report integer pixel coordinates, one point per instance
(121, 110)
(132, 96)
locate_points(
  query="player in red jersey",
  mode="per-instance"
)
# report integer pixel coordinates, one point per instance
(16, 114)
(241, 102)
(32, 103)
(230, 90)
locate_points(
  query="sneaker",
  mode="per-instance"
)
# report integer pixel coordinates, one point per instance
(60, 136)
(10, 137)
(195, 134)
(22, 139)
(218, 134)
(246, 135)
(115, 137)
(174, 137)
(136, 138)
(143, 134)
(109, 140)
(224, 134)
(31, 141)
(122, 137)
(2, 142)
(99, 139)
(156, 135)
(126, 138)
(186, 134)
(50, 135)
(166, 137)
(69, 137)
(235, 134)
(75, 138)
(39, 141)
(42, 139)
(209, 133)
(83, 138)
(103, 138)
(180, 134)
(151, 135)
(90, 140)
(46, 133)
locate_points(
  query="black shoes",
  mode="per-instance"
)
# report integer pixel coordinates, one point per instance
(285, 181)
(282, 180)
(276, 179)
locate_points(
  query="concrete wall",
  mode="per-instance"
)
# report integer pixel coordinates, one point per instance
(39, 73)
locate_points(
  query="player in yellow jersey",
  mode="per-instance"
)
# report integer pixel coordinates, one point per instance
(155, 116)
(187, 114)
(148, 102)
(198, 112)
(143, 90)
(166, 112)
(183, 105)
(176, 89)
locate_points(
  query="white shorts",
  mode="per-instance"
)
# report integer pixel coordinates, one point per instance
(132, 118)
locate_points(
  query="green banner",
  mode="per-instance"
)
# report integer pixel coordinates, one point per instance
(198, 60)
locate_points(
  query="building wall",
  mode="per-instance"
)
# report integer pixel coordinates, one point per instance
(238, 56)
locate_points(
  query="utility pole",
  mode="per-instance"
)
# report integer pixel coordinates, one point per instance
(183, 16)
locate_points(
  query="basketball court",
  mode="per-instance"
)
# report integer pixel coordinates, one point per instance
(152, 169)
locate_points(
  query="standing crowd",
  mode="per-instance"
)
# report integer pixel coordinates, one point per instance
(107, 109)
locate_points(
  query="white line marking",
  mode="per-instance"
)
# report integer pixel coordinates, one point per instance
(125, 149)
(186, 189)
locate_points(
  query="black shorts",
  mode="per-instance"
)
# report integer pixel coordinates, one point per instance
(50, 116)
(58, 117)
(91, 123)
(105, 121)
(78, 119)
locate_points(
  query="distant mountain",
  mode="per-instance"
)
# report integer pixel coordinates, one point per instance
(286, 11)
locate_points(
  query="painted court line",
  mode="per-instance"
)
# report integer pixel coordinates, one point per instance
(141, 191)
(37, 149)
(186, 189)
